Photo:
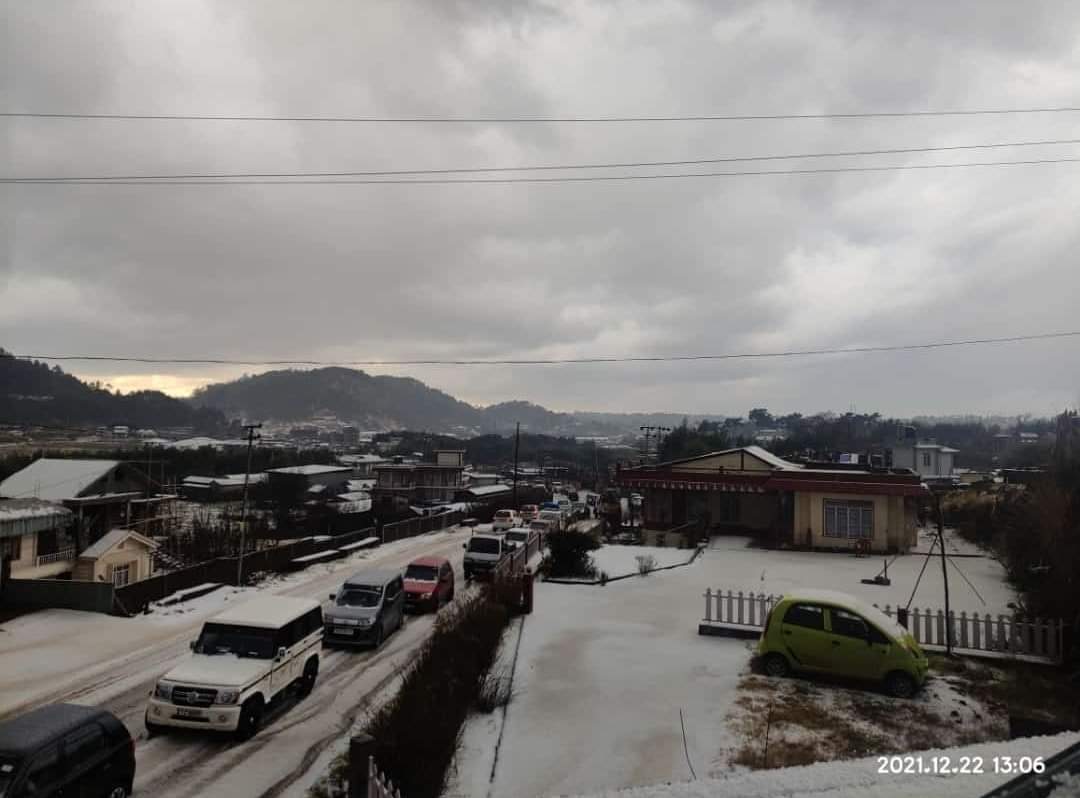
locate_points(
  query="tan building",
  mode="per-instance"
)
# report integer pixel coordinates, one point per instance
(752, 491)
(400, 485)
(34, 539)
(122, 556)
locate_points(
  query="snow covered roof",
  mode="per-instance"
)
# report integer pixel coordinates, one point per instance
(26, 516)
(489, 490)
(111, 539)
(266, 612)
(354, 496)
(55, 479)
(354, 485)
(195, 443)
(764, 455)
(309, 470)
(226, 481)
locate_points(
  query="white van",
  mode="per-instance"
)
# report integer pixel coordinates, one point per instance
(504, 520)
(243, 661)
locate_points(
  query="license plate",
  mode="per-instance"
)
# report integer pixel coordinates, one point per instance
(343, 630)
(182, 712)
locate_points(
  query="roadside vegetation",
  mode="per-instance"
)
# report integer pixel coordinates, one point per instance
(569, 556)
(417, 732)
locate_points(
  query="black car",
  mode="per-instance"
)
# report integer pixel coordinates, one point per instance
(68, 750)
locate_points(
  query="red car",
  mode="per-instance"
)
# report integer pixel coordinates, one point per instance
(429, 581)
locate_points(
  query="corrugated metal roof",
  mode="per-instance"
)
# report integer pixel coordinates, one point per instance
(20, 517)
(55, 479)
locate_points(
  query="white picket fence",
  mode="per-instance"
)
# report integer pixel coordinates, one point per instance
(1035, 639)
(378, 784)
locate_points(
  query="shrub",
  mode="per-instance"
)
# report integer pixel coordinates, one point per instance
(645, 563)
(495, 691)
(416, 732)
(569, 554)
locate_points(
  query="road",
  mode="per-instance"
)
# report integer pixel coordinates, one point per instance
(118, 671)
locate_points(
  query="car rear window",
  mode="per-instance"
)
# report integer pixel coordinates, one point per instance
(422, 573)
(484, 546)
(517, 536)
(360, 596)
(806, 615)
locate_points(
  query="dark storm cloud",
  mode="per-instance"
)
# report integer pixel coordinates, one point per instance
(695, 266)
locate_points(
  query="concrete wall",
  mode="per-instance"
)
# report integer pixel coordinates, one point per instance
(69, 594)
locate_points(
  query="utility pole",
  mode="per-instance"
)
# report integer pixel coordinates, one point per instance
(517, 440)
(251, 438)
(944, 573)
(645, 451)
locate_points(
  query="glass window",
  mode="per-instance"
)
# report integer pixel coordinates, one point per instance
(44, 771)
(84, 745)
(360, 596)
(484, 545)
(806, 615)
(121, 575)
(422, 573)
(849, 519)
(848, 624)
(241, 641)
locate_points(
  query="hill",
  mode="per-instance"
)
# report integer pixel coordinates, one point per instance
(373, 402)
(34, 393)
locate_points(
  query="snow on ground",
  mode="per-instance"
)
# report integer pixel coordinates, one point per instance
(732, 565)
(471, 771)
(604, 671)
(46, 652)
(618, 560)
(860, 778)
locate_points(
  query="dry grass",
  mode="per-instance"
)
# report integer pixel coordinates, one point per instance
(806, 722)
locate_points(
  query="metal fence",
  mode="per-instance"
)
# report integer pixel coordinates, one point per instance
(133, 597)
(379, 784)
(1032, 638)
(513, 564)
(411, 527)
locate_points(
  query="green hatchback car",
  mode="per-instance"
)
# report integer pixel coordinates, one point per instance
(818, 631)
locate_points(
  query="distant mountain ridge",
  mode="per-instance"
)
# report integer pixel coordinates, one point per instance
(33, 393)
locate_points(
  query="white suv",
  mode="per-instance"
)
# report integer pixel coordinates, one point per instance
(504, 520)
(244, 660)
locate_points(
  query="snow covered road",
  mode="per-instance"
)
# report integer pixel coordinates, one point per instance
(93, 659)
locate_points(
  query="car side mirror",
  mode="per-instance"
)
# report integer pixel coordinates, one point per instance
(333, 596)
(191, 644)
(281, 653)
(464, 545)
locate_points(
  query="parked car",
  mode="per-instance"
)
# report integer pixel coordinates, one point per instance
(519, 536)
(66, 749)
(543, 528)
(482, 554)
(580, 510)
(429, 581)
(528, 512)
(826, 632)
(369, 606)
(504, 520)
(554, 518)
(243, 662)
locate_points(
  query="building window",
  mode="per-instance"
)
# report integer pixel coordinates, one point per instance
(10, 548)
(849, 519)
(121, 575)
(926, 459)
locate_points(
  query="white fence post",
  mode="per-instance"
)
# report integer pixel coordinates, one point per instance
(708, 605)
(739, 594)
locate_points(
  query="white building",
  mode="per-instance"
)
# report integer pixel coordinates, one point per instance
(929, 460)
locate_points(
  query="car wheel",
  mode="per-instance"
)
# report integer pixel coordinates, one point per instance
(117, 791)
(776, 665)
(250, 719)
(307, 681)
(378, 637)
(900, 685)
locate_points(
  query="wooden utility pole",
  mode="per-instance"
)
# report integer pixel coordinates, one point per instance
(517, 441)
(251, 438)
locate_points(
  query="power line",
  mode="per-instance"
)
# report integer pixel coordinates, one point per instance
(559, 361)
(586, 179)
(535, 168)
(539, 119)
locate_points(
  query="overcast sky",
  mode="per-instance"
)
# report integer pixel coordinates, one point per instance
(710, 265)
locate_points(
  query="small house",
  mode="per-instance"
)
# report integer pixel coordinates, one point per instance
(121, 557)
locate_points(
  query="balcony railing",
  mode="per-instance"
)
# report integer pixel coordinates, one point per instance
(57, 556)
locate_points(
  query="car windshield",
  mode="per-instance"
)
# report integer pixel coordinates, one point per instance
(359, 596)
(484, 546)
(516, 536)
(241, 641)
(422, 573)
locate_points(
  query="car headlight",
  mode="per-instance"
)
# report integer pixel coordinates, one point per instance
(426, 596)
(227, 696)
(163, 690)
(363, 621)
